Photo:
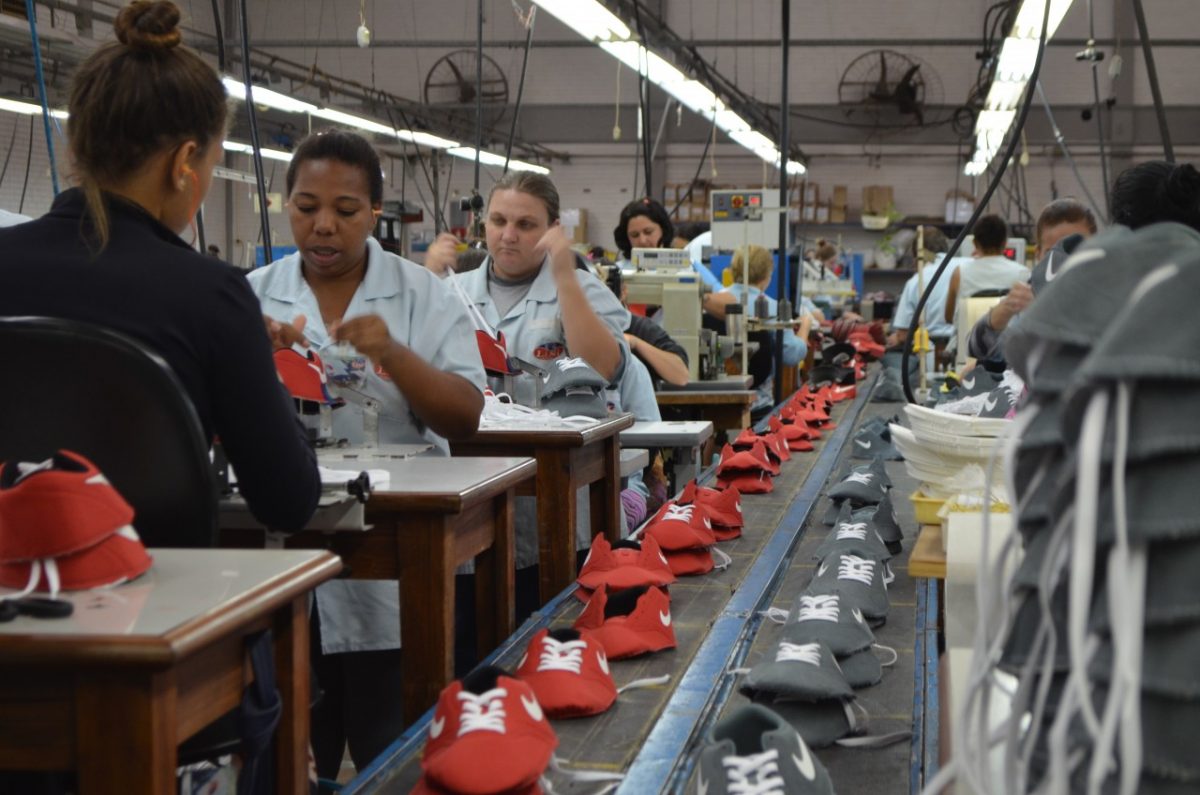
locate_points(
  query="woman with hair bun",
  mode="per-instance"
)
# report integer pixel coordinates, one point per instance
(147, 121)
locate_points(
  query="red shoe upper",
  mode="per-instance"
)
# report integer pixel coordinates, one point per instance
(676, 527)
(626, 566)
(568, 671)
(636, 622)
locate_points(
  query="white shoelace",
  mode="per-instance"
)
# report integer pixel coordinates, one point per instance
(561, 655)
(757, 774)
(864, 478)
(799, 652)
(818, 608)
(678, 513)
(856, 531)
(483, 712)
(852, 567)
(499, 411)
(721, 561)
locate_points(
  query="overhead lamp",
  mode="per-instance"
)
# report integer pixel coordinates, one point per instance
(29, 108)
(266, 97)
(493, 159)
(1014, 67)
(591, 20)
(247, 149)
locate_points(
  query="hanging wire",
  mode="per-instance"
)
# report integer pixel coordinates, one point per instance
(41, 81)
(1152, 75)
(264, 219)
(527, 20)
(1097, 106)
(1062, 144)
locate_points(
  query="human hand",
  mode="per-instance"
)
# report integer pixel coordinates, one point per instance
(442, 254)
(1019, 298)
(285, 335)
(556, 244)
(368, 334)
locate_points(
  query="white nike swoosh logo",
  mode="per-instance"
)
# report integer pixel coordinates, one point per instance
(969, 383)
(805, 764)
(823, 569)
(524, 657)
(665, 618)
(435, 727)
(602, 660)
(989, 404)
(863, 445)
(532, 706)
(702, 788)
(858, 616)
(1050, 268)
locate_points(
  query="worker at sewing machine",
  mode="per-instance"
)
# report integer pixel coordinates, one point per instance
(645, 224)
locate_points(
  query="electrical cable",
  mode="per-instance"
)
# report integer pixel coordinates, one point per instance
(512, 129)
(1098, 107)
(644, 99)
(708, 139)
(1152, 75)
(785, 146)
(216, 10)
(1014, 138)
(435, 210)
(31, 12)
(264, 219)
(478, 95)
(28, 160)
(1062, 144)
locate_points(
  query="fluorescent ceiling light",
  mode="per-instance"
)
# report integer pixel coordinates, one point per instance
(591, 20)
(350, 120)
(247, 149)
(265, 96)
(29, 108)
(493, 159)
(425, 139)
(1014, 67)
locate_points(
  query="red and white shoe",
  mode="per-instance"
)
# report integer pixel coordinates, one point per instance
(691, 562)
(724, 508)
(841, 393)
(62, 517)
(568, 671)
(629, 623)
(489, 734)
(747, 482)
(677, 527)
(627, 564)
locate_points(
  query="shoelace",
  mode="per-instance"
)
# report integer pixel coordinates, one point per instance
(500, 410)
(757, 774)
(857, 531)
(818, 608)
(561, 655)
(678, 513)
(864, 478)
(721, 561)
(852, 567)
(483, 712)
(799, 652)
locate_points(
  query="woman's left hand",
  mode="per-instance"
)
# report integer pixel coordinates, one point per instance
(368, 334)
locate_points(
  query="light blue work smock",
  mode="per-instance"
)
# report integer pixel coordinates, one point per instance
(420, 313)
(533, 331)
(935, 307)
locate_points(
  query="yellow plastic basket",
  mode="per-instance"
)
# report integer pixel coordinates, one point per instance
(926, 507)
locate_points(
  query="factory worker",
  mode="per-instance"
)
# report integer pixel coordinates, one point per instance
(347, 298)
(109, 252)
(645, 224)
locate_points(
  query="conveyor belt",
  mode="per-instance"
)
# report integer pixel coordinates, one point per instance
(648, 732)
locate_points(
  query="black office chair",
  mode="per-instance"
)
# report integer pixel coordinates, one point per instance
(76, 386)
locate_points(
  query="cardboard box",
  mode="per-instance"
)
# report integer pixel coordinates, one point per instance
(574, 223)
(808, 214)
(841, 196)
(837, 215)
(812, 193)
(822, 213)
(877, 199)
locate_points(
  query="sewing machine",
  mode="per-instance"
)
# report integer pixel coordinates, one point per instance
(664, 277)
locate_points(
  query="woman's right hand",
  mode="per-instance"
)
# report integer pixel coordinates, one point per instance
(285, 335)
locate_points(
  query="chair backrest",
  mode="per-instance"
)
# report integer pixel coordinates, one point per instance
(80, 387)
(970, 309)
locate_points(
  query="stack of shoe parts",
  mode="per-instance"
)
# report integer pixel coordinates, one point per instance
(749, 471)
(724, 507)
(685, 535)
(1102, 631)
(574, 389)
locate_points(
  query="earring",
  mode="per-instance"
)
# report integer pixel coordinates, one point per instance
(182, 184)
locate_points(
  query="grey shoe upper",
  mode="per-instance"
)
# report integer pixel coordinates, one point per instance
(753, 749)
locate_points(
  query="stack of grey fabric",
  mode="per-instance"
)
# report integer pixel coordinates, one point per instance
(864, 494)
(1103, 628)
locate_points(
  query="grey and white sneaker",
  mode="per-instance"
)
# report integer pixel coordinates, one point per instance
(860, 488)
(797, 672)
(862, 581)
(869, 444)
(824, 618)
(857, 538)
(876, 465)
(882, 519)
(753, 751)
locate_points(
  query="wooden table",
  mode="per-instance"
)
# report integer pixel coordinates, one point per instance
(684, 438)
(567, 460)
(435, 514)
(727, 410)
(111, 691)
(928, 559)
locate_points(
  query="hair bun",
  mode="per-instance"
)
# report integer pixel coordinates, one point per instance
(149, 25)
(1183, 186)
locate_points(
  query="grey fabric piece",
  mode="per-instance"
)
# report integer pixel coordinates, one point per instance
(871, 599)
(1025, 625)
(1052, 261)
(1157, 425)
(847, 635)
(843, 537)
(889, 389)
(1169, 661)
(1169, 728)
(883, 518)
(1032, 465)
(861, 488)
(834, 511)
(1056, 368)
(1045, 429)
(821, 724)
(754, 729)
(999, 402)
(1161, 499)
(1170, 588)
(869, 444)
(879, 425)
(797, 680)
(862, 669)
(1093, 285)
(586, 404)
(566, 374)
(1050, 494)
(1028, 572)
(876, 465)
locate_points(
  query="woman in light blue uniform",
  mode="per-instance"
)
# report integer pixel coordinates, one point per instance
(421, 366)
